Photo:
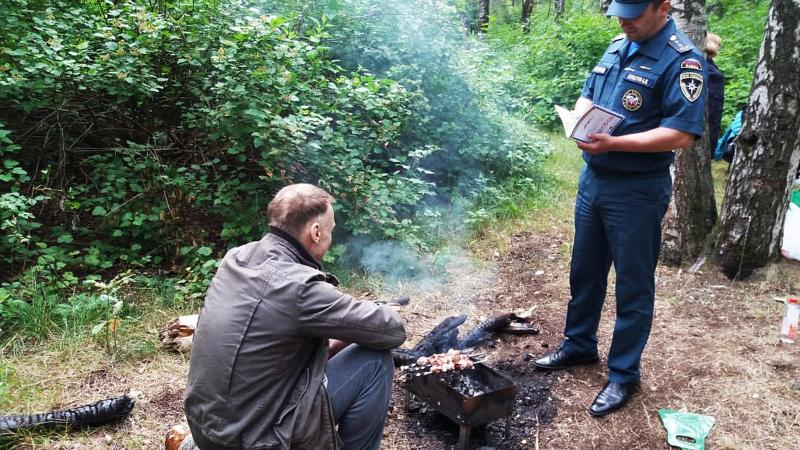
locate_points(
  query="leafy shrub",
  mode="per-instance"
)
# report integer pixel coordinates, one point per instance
(740, 24)
(555, 57)
(177, 127)
(421, 45)
(553, 60)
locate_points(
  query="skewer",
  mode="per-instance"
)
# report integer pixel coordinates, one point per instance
(422, 374)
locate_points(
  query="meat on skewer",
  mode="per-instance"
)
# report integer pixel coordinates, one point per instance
(442, 362)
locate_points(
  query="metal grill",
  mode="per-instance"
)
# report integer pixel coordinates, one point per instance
(467, 397)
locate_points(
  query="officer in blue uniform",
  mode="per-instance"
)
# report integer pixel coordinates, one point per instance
(652, 75)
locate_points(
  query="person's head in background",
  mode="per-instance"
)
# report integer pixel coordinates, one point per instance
(712, 45)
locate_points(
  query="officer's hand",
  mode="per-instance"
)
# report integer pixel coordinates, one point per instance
(601, 143)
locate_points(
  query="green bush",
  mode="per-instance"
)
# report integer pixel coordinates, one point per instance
(150, 135)
(552, 61)
(740, 24)
(554, 58)
(175, 129)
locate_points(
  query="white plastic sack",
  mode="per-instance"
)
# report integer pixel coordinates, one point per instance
(791, 233)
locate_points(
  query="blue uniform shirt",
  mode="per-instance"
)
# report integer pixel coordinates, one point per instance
(659, 84)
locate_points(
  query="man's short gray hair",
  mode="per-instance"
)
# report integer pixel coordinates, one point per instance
(297, 204)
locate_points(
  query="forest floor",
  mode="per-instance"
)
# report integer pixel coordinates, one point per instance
(713, 350)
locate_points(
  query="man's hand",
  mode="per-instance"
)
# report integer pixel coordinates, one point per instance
(659, 139)
(335, 346)
(601, 143)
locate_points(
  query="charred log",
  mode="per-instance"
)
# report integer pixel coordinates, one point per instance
(485, 329)
(443, 335)
(405, 356)
(441, 338)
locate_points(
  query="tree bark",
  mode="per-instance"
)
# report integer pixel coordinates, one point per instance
(527, 8)
(559, 5)
(604, 4)
(692, 212)
(767, 152)
(483, 15)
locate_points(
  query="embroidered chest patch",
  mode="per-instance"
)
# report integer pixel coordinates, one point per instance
(691, 85)
(632, 100)
(599, 70)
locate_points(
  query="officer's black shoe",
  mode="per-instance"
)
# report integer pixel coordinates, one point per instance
(613, 397)
(561, 359)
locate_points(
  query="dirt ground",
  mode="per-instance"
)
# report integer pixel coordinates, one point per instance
(713, 350)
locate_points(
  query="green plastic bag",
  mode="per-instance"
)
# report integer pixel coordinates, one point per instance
(686, 430)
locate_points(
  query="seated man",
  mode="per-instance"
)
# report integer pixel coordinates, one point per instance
(259, 375)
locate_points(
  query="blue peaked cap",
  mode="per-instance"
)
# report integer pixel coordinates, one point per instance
(627, 9)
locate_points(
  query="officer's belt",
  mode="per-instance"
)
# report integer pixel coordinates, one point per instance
(600, 173)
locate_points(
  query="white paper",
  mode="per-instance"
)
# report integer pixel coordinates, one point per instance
(596, 120)
(568, 119)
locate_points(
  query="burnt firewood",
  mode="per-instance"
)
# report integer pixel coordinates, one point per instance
(99, 413)
(442, 335)
(441, 338)
(405, 356)
(485, 329)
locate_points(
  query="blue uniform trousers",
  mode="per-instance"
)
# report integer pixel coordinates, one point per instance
(617, 220)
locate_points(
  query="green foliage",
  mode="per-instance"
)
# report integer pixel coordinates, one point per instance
(34, 309)
(740, 24)
(421, 45)
(108, 329)
(552, 61)
(554, 58)
(150, 135)
(176, 128)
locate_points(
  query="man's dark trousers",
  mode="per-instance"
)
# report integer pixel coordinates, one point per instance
(617, 219)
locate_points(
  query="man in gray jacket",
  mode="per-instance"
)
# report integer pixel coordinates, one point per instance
(260, 376)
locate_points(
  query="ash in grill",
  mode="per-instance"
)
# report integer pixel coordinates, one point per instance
(463, 382)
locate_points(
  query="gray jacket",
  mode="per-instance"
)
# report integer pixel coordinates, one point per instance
(260, 349)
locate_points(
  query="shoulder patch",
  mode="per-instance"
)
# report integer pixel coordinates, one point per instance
(691, 63)
(691, 84)
(679, 44)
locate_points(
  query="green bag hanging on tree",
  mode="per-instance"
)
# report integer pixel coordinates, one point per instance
(686, 430)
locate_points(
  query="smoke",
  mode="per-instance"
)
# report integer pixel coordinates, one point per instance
(425, 45)
(393, 260)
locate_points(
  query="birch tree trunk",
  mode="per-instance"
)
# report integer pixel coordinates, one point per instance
(767, 151)
(604, 4)
(527, 8)
(692, 212)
